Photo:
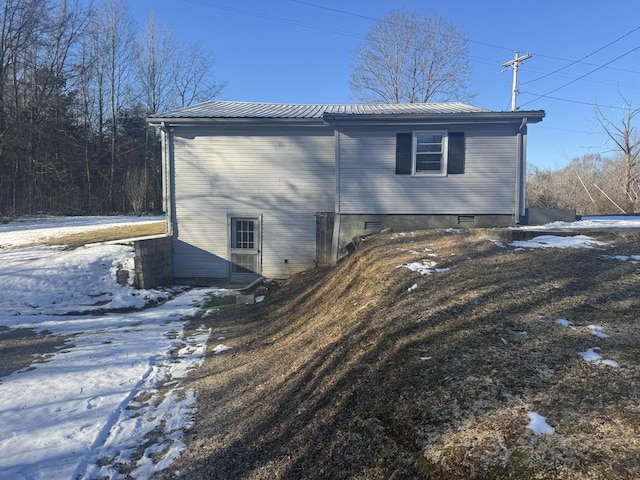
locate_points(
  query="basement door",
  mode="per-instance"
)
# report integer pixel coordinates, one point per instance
(245, 248)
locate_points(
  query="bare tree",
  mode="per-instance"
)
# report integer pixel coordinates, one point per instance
(192, 78)
(624, 136)
(21, 26)
(589, 184)
(410, 58)
(154, 58)
(73, 104)
(114, 35)
(136, 186)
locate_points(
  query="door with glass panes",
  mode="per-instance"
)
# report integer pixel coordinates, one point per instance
(244, 249)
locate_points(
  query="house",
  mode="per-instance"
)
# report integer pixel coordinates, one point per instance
(274, 189)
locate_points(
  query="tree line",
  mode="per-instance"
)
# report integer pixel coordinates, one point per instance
(76, 85)
(595, 184)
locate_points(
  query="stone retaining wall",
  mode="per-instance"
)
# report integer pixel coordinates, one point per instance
(153, 262)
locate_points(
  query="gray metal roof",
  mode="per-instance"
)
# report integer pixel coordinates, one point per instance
(225, 109)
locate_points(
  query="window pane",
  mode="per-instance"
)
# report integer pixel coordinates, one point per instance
(429, 152)
(430, 163)
(244, 234)
(423, 148)
(429, 138)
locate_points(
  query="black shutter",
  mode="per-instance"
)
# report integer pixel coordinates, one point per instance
(455, 162)
(404, 143)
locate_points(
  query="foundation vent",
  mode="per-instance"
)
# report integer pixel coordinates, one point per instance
(466, 219)
(373, 225)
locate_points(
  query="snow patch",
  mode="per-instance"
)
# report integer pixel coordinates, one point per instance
(597, 331)
(555, 241)
(538, 424)
(220, 348)
(565, 323)
(590, 355)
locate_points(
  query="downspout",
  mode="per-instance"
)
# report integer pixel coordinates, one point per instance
(521, 171)
(335, 238)
(167, 201)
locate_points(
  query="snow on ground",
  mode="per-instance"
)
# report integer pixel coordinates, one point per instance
(539, 424)
(589, 223)
(555, 241)
(118, 377)
(29, 230)
(92, 404)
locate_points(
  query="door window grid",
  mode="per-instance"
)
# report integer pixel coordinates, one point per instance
(244, 236)
(244, 246)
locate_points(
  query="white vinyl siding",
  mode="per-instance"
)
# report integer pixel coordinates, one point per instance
(283, 179)
(368, 184)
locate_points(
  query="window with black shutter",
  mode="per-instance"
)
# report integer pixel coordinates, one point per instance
(455, 162)
(404, 146)
(430, 153)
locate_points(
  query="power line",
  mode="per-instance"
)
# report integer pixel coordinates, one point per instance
(573, 62)
(373, 19)
(583, 58)
(336, 10)
(583, 76)
(588, 64)
(579, 102)
(273, 18)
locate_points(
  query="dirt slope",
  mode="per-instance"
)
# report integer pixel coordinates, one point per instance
(354, 373)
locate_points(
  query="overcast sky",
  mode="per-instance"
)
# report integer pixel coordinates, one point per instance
(295, 51)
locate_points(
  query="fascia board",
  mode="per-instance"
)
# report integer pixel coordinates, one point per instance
(533, 116)
(255, 122)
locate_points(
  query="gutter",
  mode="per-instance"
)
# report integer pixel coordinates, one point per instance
(235, 121)
(533, 116)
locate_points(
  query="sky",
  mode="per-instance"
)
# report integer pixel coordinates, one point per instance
(301, 51)
(89, 404)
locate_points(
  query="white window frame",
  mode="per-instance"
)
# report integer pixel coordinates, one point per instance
(445, 154)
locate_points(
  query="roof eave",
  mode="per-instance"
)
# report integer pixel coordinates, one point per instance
(532, 116)
(255, 121)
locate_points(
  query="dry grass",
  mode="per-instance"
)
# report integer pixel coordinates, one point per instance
(20, 348)
(107, 234)
(346, 373)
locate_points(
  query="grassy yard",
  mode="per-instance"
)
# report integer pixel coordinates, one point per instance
(373, 371)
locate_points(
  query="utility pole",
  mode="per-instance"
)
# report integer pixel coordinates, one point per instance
(515, 63)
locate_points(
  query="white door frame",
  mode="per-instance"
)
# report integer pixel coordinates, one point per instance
(245, 247)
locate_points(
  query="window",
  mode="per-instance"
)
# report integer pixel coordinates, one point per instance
(430, 153)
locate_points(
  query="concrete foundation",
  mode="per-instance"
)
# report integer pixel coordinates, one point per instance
(542, 216)
(361, 225)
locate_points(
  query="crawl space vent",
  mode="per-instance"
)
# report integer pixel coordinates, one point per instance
(375, 225)
(466, 219)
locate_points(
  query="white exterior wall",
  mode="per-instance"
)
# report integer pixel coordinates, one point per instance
(284, 179)
(369, 185)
